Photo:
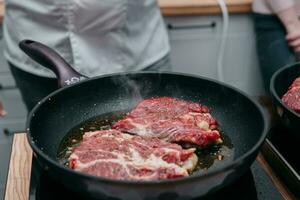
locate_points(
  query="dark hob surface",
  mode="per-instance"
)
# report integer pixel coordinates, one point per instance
(287, 144)
(254, 185)
(282, 153)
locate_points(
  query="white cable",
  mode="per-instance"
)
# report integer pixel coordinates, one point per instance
(225, 14)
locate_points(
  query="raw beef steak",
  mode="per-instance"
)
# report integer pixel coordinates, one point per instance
(117, 155)
(172, 120)
(292, 97)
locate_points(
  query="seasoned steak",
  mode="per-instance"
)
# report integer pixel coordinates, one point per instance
(172, 120)
(292, 97)
(117, 155)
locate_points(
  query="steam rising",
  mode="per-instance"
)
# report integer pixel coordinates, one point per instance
(142, 86)
(138, 87)
(132, 88)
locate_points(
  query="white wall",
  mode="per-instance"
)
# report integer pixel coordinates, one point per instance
(195, 50)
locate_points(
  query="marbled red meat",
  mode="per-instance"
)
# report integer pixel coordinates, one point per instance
(292, 97)
(117, 155)
(172, 120)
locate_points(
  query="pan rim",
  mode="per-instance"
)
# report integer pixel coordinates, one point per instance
(274, 92)
(213, 172)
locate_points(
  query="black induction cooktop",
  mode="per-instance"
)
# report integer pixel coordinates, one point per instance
(254, 185)
(281, 150)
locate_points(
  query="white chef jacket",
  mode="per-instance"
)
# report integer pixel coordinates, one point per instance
(95, 36)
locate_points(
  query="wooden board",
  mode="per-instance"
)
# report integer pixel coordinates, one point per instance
(188, 7)
(1, 10)
(20, 169)
(202, 7)
(18, 180)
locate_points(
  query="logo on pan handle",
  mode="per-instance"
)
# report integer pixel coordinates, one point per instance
(73, 80)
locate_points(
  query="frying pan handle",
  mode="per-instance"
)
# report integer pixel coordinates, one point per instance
(50, 59)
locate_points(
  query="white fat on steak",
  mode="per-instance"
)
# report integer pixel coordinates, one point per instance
(117, 155)
(190, 163)
(172, 120)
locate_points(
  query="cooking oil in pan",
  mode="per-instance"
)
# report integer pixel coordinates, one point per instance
(215, 154)
(206, 157)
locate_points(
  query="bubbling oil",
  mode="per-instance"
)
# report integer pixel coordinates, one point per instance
(206, 157)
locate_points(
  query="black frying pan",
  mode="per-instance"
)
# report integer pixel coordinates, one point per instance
(240, 118)
(280, 82)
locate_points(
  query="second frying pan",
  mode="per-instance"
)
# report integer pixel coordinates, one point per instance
(280, 82)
